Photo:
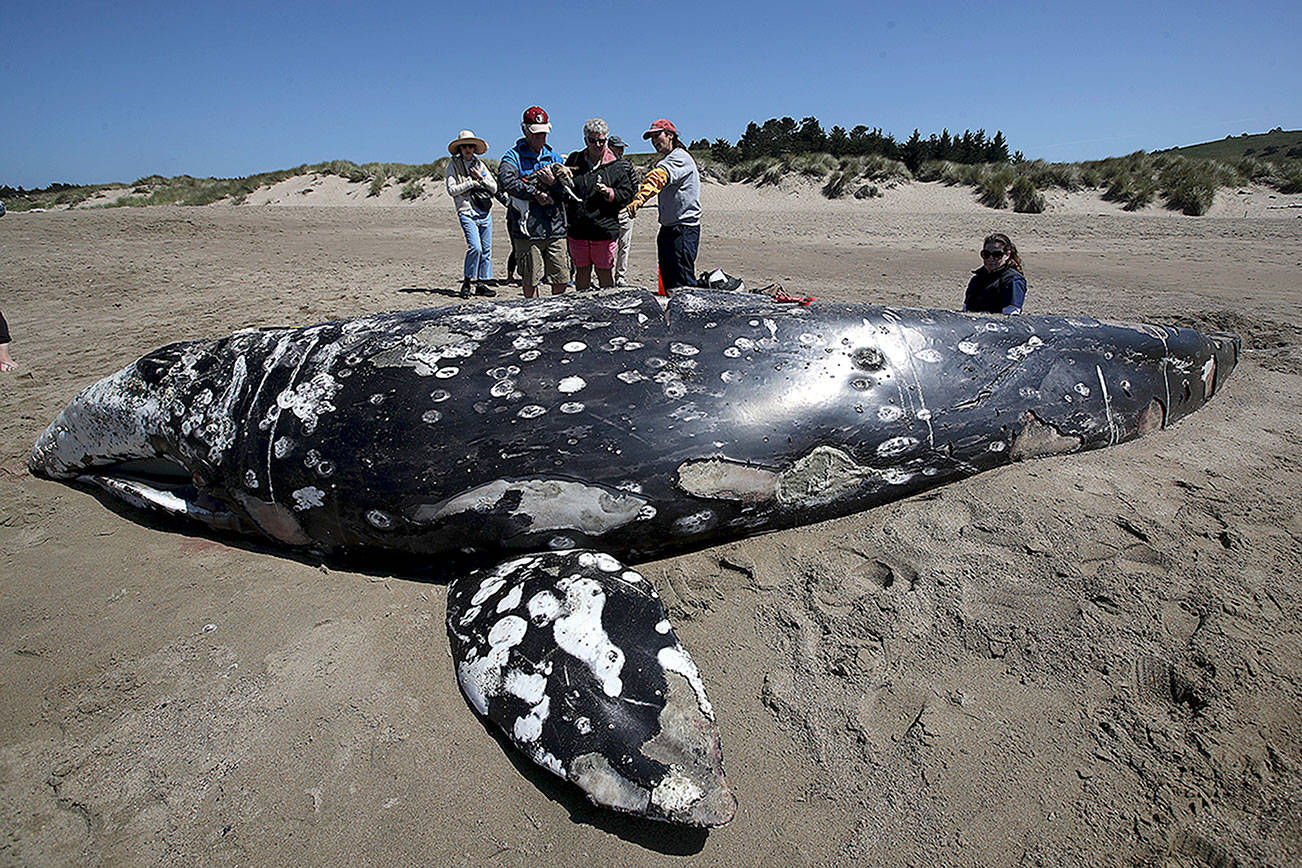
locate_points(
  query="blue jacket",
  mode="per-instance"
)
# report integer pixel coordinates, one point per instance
(1004, 291)
(525, 218)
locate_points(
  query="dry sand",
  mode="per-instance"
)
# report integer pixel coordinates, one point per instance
(1085, 660)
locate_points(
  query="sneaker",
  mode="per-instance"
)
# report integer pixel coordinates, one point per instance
(465, 288)
(482, 289)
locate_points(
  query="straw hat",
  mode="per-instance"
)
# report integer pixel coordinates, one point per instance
(467, 138)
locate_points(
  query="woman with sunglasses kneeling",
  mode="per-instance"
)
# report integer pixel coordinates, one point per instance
(998, 285)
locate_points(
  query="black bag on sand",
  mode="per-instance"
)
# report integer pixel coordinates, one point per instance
(718, 280)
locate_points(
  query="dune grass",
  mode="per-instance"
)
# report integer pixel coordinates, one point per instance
(1171, 179)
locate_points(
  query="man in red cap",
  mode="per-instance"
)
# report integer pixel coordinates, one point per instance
(535, 220)
(676, 183)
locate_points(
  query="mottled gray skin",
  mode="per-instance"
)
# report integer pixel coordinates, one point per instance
(605, 422)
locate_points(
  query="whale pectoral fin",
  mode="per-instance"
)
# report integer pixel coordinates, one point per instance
(572, 656)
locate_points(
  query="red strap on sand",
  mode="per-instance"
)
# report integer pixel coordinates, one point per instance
(791, 299)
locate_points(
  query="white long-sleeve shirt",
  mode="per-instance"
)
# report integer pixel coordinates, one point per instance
(462, 181)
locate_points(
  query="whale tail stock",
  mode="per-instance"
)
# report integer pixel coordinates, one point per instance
(570, 654)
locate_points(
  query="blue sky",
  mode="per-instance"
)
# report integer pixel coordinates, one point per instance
(93, 92)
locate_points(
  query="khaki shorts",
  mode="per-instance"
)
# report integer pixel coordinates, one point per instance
(541, 258)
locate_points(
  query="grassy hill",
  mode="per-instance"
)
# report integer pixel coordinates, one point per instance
(1276, 144)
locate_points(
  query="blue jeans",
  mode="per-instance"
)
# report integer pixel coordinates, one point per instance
(677, 246)
(479, 244)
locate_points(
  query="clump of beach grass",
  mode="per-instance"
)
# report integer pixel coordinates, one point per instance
(1026, 198)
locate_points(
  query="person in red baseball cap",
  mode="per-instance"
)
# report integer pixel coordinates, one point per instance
(676, 183)
(535, 219)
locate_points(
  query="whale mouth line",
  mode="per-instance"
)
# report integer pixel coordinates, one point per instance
(160, 484)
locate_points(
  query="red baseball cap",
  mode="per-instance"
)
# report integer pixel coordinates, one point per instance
(660, 125)
(535, 120)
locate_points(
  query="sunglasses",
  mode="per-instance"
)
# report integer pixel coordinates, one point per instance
(993, 254)
(596, 141)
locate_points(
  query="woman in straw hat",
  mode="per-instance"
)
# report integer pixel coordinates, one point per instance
(472, 186)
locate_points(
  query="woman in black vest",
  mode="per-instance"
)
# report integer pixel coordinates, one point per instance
(998, 285)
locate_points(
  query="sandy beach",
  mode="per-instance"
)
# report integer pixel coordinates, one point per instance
(1090, 659)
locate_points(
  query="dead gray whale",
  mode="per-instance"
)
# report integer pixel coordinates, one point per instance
(560, 438)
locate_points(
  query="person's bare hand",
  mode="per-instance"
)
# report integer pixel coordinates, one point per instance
(545, 176)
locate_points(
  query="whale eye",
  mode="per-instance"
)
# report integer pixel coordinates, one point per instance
(868, 358)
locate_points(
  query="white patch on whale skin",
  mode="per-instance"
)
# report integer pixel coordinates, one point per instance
(675, 792)
(970, 348)
(601, 561)
(929, 355)
(580, 634)
(697, 522)
(306, 498)
(309, 401)
(549, 505)
(220, 428)
(528, 728)
(511, 600)
(575, 347)
(543, 608)
(379, 520)
(282, 447)
(482, 677)
(531, 411)
(529, 686)
(889, 413)
(896, 446)
(570, 385)
(488, 587)
(1021, 351)
(675, 658)
(1209, 376)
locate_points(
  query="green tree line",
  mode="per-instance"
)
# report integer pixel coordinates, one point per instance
(781, 136)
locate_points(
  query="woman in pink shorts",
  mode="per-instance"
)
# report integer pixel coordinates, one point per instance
(603, 186)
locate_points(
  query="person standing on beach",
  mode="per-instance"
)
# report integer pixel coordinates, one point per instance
(603, 185)
(7, 362)
(617, 147)
(472, 186)
(998, 285)
(677, 184)
(534, 219)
